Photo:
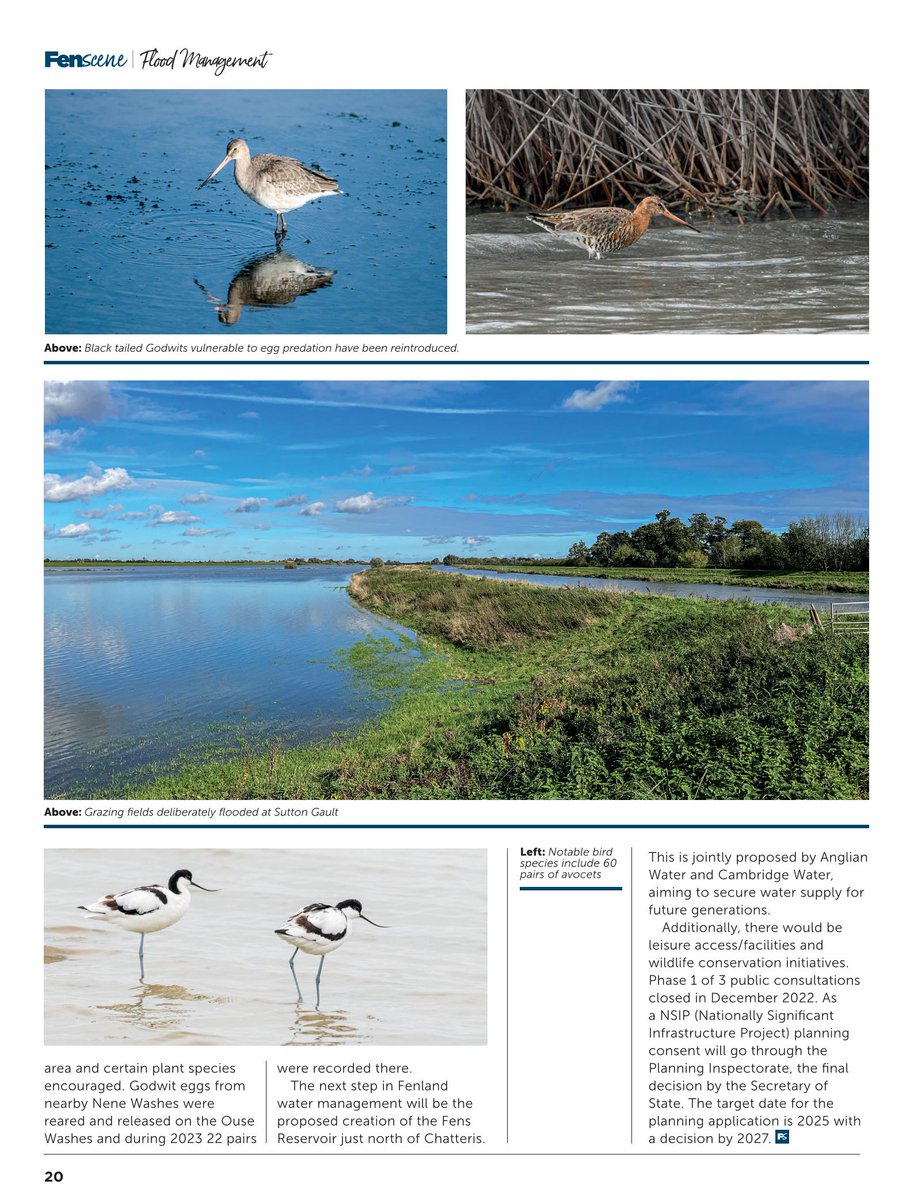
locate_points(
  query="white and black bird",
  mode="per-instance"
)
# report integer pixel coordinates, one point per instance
(147, 908)
(318, 929)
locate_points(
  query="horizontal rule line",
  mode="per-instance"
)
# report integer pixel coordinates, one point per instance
(402, 825)
(581, 888)
(448, 1154)
(464, 362)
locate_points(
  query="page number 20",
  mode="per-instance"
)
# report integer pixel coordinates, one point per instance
(53, 1176)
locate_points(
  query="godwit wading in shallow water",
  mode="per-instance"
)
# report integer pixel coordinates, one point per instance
(147, 908)
(318, 929)
(278, 183)
(604, 230)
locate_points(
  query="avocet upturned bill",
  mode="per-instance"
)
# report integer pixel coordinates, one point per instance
(318, 929)
(147, 908)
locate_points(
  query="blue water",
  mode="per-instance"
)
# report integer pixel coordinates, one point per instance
(808, 275)
(145, 663)
(706, 591)
(133, 247)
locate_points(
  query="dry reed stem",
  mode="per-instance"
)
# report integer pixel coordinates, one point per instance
(743, 152)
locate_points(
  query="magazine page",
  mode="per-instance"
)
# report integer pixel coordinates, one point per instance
(453, 626)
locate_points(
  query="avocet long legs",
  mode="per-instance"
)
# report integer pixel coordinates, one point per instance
(318, 929)
(147, 908)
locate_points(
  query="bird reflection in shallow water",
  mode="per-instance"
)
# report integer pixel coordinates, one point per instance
(271, 281)
(160, 1008)
(315, 1027)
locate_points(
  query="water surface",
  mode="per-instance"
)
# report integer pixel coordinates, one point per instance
(145, 663)
(706, 591)
(133, 247)
(808, 275)
(220, 976)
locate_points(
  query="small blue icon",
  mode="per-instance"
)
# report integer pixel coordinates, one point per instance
(781, 1137)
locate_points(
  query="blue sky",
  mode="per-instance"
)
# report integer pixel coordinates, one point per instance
(413, 470)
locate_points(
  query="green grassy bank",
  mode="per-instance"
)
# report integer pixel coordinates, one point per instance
(539, 692)
(805, 581)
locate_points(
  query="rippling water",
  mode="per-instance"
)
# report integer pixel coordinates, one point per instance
(220, 976)
(707, 591)
(144, 663)
(132, 247)
(779, 276)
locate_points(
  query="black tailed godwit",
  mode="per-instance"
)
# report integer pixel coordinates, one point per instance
(278, 183)
(604, 230)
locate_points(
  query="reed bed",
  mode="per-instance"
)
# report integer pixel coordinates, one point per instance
(748, 153)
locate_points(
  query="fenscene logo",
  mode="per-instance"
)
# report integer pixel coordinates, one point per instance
(53, 58)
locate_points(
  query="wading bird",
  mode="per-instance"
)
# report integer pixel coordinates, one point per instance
(146, 909)
(278, 183)
(318, 929)
(604, 230)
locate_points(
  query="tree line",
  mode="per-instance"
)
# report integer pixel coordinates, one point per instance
(828, 542)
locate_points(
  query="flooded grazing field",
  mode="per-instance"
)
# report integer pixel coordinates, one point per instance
(143, 664)
(133, 247)
(808, 275)
(220, 975)
(706, 591)
(146, 667)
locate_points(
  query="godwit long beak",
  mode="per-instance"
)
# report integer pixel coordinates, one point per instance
(213, 173)
(678, 220)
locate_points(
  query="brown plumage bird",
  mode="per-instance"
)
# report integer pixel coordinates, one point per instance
(604, 230)
(275, 182)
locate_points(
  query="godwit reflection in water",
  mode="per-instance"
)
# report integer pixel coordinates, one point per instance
(270, 281)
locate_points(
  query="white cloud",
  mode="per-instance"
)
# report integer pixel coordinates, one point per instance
(149, 411)
(84, 400)
(312, 510)
(57, 440)
(369, 503)
(153, 510)
(201, 497)
(475, 541)
(58, 489)
(174, 518)
(592, 399)
(290, 501)
(75, 531)
(249, 416)
(250, 504)
(98, 514)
